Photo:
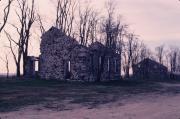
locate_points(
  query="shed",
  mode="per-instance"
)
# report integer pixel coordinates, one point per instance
(150, 69)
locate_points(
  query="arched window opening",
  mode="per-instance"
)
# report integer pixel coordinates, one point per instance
(69, 66)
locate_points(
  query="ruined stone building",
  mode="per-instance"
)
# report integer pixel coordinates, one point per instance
(62, 57)
(149, 69)
(31, 70)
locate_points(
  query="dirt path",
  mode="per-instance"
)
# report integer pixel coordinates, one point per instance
(147, 107)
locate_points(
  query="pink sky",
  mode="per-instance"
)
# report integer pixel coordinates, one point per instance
(156, 21)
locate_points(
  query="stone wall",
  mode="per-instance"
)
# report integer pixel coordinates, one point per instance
(80, 62)
(55, 49)
(30, 66)
(63, 58)
(101, 54)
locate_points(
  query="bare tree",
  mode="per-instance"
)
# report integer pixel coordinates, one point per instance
(87, 26)
(178, 62)
(6, 61)
(113, 35)
(160, 53)
(144, 52)
(41, 26)
(26, 18)
(136, 53)
(94, 22)
(130, 50)
(120, 44)
(110, 27)
(173, 55)
(110, 31)
(5, 15)
(65, 15)
(16, 57)
(84, 26)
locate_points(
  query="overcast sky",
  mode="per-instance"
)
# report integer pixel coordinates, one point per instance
(157, 22)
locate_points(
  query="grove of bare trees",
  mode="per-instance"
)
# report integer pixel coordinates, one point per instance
(65, 12)
(87, 26)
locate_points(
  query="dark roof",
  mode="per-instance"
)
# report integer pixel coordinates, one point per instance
(80, 46)
(150, 61)
(96, 45)
(54, 30)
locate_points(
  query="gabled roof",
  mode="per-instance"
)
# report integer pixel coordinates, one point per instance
(150, 61)
(96, 45)
(53, 31)
(78, 46)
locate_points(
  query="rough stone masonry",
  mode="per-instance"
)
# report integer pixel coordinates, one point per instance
(62, 57)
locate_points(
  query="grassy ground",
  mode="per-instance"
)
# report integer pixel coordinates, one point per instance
(16, 94)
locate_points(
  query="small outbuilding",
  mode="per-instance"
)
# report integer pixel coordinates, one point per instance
(150, 69)
(31, 66)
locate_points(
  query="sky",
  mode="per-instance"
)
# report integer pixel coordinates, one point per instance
(156, 22)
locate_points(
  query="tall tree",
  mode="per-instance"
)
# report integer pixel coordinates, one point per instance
(120, 43)
(16, 56)
(87, 26)
(160, 53)
(173, 55)
(113, 32)
(144, 52)
(65, 16)
(111, 27)
(26, 17)
(84, 25)
(5, 15)
(131, 47)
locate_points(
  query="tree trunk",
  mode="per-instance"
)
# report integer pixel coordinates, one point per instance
(120, 67)
(18, 72)
(127, 71)
(7, 67)
(24, 65)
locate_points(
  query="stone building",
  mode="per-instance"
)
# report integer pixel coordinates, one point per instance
(109, 59)
(62, 57)
(149, 69)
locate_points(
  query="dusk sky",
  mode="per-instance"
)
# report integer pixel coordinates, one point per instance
(156, 22)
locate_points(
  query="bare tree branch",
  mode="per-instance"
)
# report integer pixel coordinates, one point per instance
(65, 15)
(42, 29)
(6, 15)
(160, 53)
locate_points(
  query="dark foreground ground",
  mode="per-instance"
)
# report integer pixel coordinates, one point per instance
(58, 96)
